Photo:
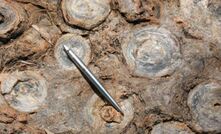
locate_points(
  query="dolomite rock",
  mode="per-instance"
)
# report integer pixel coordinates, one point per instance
(85, 13)
(204, 102)
(13, 19)
(159, 59)
(171, 128)
(151, 52)
(103, 118)
(79, 45)
(139, 10)
(25, 91)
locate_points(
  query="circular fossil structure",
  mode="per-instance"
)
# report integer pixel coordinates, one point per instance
(24, 91)
(77, 44)
(151, 52)
(86, 14)
(171, 128)
(104, 118)
(12, 19)
(204, 102)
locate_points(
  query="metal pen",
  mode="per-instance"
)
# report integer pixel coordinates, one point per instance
(89, 75)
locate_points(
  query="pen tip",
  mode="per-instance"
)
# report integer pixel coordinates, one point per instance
(66, 48)
(121, 111)
(117, 107)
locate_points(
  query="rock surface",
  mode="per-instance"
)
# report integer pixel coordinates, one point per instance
(159, 59)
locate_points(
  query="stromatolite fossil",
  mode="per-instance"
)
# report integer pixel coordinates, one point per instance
(24, 91)
(204, 102)
(159, 59)
(13, 19)
(85, 13)
(151, 52)
(76, 43)
(171, 128)
(104, 118)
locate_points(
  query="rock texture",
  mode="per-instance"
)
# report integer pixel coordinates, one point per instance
(159, 59)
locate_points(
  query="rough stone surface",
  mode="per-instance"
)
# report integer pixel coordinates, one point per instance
(79, 45)
(13, 19)
(159, 59)
(204, 102)
(151, 52)
(24, 91)
(85, 13)
(171, 128)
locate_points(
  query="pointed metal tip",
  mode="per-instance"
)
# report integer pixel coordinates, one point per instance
(117, 107)
(66, 48)
(121, 111)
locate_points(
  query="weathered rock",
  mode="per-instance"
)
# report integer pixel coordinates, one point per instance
(78, 44)
(13, 19)
(85, 13)
(63, 105)
(33, 43)
(139, 10)
(51, 5)
(167, 96)
(151, 52)
(103, 118)
(204, 102)
(24, 91)
(201, 19)
(171, 128)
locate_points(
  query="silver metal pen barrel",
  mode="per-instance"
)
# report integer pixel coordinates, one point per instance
(89, 75)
